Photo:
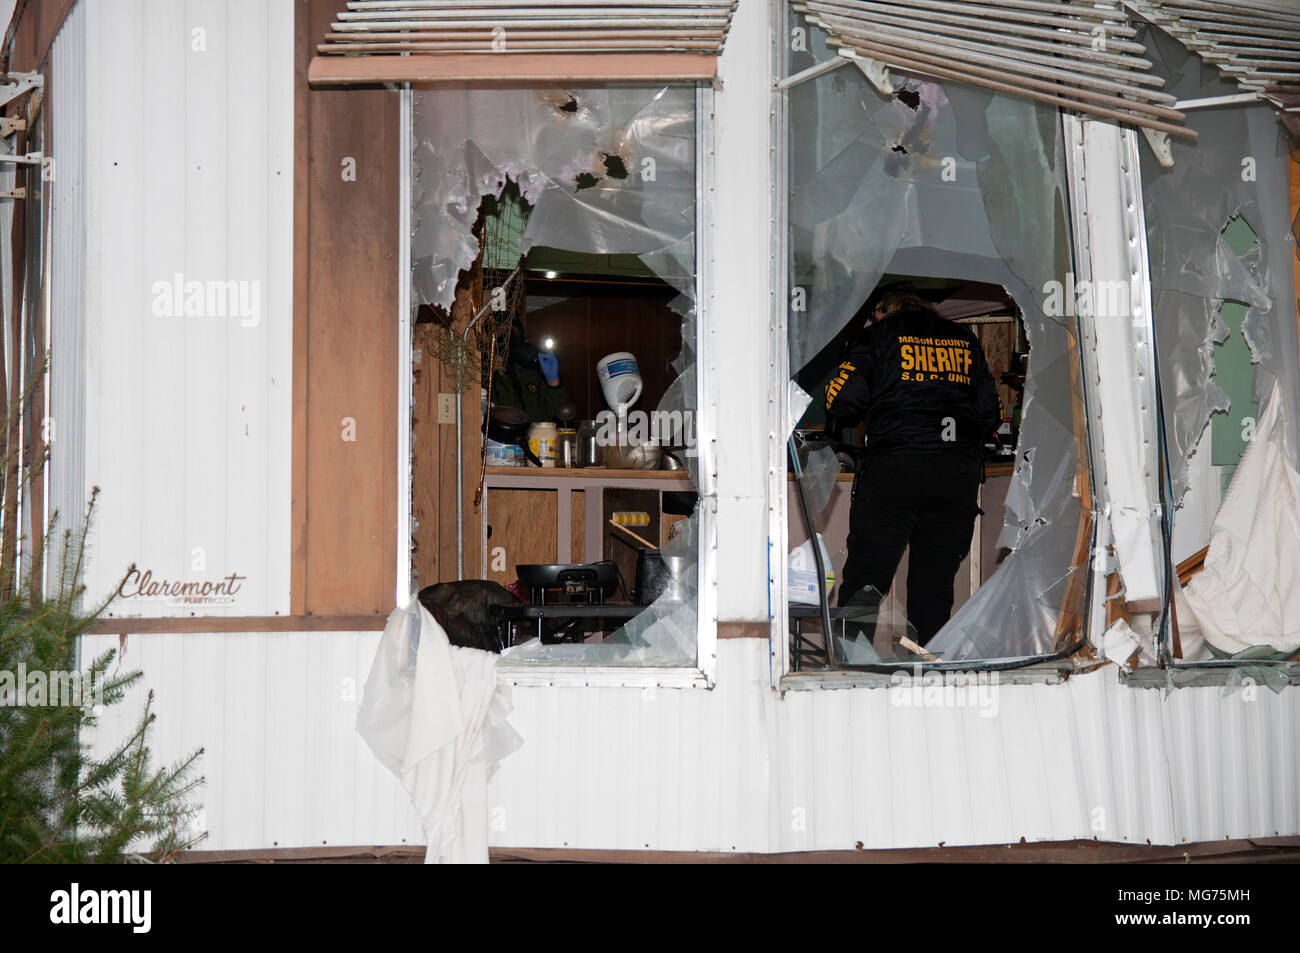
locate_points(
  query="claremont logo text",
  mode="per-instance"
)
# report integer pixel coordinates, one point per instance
(143, 585)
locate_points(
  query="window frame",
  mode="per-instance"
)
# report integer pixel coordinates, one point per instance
(1093, 607)
(1211, 671)
(783, 677)
(533, 674)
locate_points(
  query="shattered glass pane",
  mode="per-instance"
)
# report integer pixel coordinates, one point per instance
(468, 142)
(819, 468)
(1237, 168)
(607, 171)
(1220, 243)
(947, 180)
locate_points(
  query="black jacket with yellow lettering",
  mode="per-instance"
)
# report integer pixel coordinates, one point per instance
(921, 382)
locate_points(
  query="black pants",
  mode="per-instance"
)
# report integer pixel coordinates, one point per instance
(927, 501)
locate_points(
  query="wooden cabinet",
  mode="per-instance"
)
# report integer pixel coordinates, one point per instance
(558, 515)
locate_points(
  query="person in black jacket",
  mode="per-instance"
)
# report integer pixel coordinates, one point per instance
(924, 387)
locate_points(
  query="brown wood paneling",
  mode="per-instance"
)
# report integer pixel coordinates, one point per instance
(34, 432)
(998, 342)
(578, 523)
(17, 404)
(269, 623)
(619, 546)
(1275, 849)
(1254, 850)
(1190, 566)
(586, 329)
(433, 484)
(667, 521)
(471, 417)
(434, 449)
(36, 415)
(13, 391)
(601, 475)
(34, 26)
(425, 445)
(568, 322)
(468, 298)
(1069, 623)
(301, 287)
(523, 523)
(488, 68)
(350, 535)
(744, 630)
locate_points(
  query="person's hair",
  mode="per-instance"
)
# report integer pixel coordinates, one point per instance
(897, 301)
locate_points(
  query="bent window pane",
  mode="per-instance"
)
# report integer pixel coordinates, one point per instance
(601, 186)
(1220, 243)
(949, 186)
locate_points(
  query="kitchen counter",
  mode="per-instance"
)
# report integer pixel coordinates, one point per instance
(557, 514)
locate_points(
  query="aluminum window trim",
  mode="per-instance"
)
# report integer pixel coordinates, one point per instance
(703, 674)
(569, 41)
(782, 677)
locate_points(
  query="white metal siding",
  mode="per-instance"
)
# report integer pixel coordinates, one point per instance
(203, 179)
(69, 492)
(189, 170)
(275, 715)
(737, 342)
(738, 768)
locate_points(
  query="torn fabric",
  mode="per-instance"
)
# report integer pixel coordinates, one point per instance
(1248, 593)
(435, 715)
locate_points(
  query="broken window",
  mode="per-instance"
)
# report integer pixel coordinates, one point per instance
(945, 182)
(1220, 239)
(601, 183)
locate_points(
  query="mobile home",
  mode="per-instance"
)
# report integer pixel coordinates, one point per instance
(273, 248)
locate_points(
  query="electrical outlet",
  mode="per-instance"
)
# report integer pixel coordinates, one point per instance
(446, 408)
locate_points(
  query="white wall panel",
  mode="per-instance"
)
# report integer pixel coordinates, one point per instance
(68, 492)
(188, 168)
(739, 309)
(737, 768)
(190, 172)
(275, 715)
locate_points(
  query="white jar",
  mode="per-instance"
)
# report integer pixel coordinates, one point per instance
(541, 440)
